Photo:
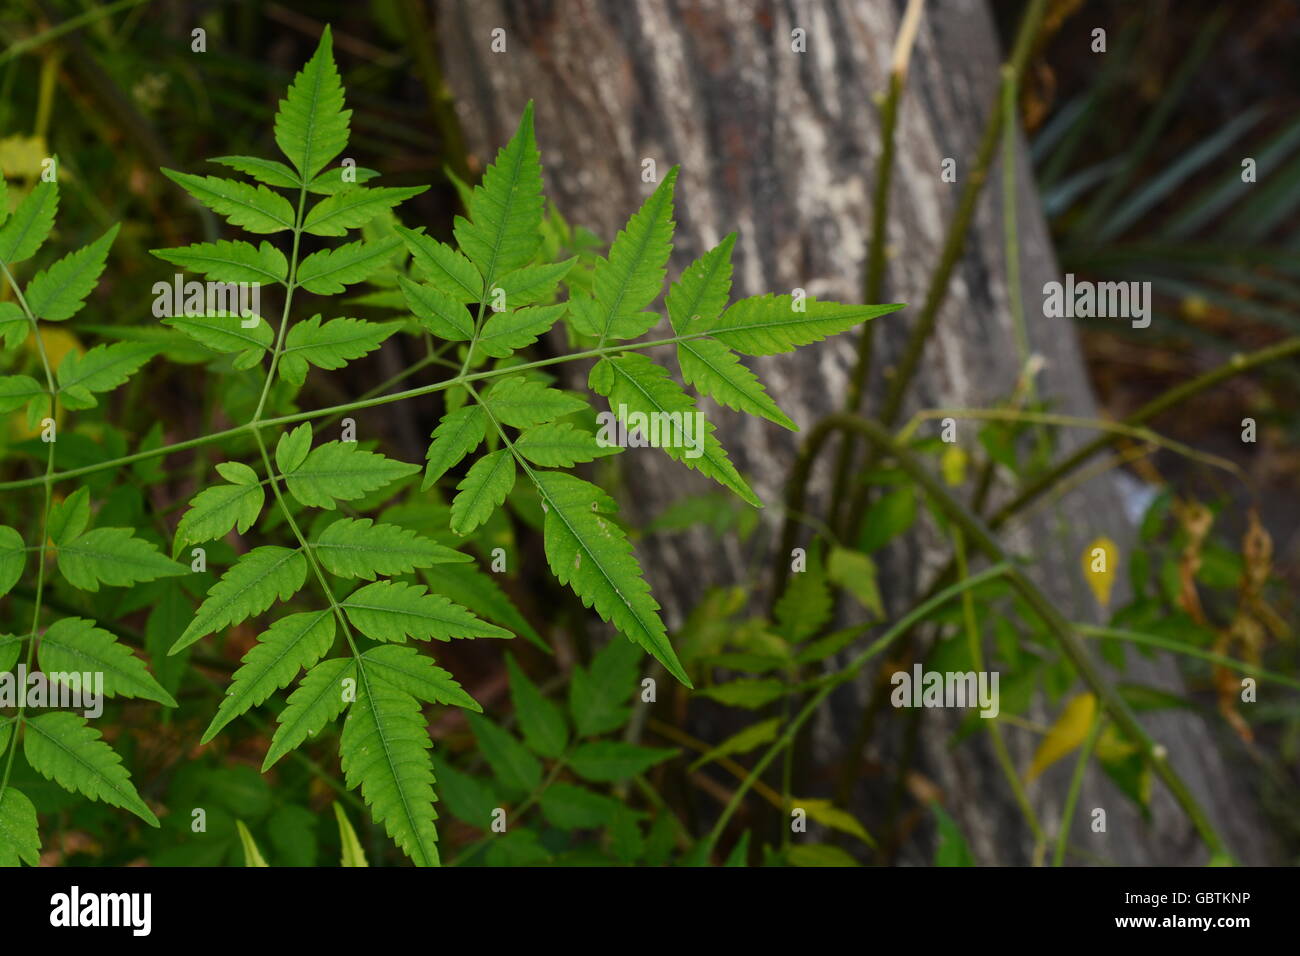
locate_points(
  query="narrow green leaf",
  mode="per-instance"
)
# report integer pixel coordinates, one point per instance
(768, 324)
(340, 471)
(62, 747)
(358, 548)
(458, 434)
(504, 332)
(328, 271)
(229, 261)
(505, 210)
(438, 312)
(74, 646)
(636, 386)
(30, 225)
(592, 555)
(253, 208)
(335, 215)
(443, 267)
(353, 855)
(329, 346)
(540, 720)
(291, 644)
(521, 402)
(510, 760)
(408, 670)
(394, 611)
(609, 761)
(59, 292)
(633, 275)
(20, 839)
(311, 126)
(561, 445)
(249, 586)
(385, 750)
(113, 556)
(482, 490)
(320, 697)
(13, 556)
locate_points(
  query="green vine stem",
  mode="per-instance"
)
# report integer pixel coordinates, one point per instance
(875, 273)
(1076, 784)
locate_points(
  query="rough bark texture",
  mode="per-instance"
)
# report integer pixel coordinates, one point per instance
(782, 147)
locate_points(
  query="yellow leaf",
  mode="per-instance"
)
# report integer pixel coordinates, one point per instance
(829, 815)
(21, 157)
(1066, 734)
(953, 465)
(1100, 562)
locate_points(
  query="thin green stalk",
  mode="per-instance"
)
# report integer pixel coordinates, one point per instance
(955, 241)
(92, 15)
(1076, 784)
(357, 405)
(995, 729)
(52, 391)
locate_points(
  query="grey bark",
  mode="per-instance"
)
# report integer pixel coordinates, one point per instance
(782, 147)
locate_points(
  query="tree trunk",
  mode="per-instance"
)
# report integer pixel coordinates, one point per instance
(782, 146)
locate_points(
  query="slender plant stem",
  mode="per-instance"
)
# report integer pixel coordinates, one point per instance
(995, 729)
(340, 409)
(1076, 785)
